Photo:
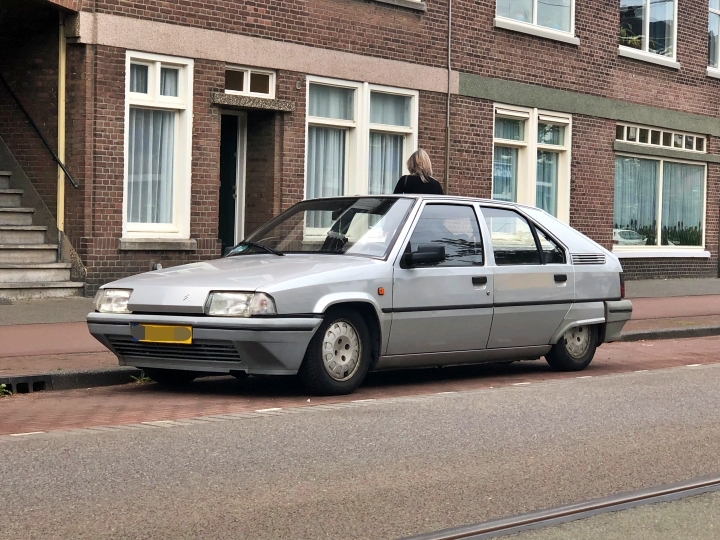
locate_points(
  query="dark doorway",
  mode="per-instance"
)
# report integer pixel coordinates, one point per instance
(232, 170)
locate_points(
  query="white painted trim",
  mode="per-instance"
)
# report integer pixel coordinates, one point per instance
(643, 56)
(248, 71)
(661, 253)
(713, 72)
(539, 31)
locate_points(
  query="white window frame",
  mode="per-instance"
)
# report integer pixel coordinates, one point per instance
(527, 155)
(658, 250)
(672, 133)
(182, 165)
(358, 140)
(644, 54)
(713, 71)
(246, 81)
(536, 30)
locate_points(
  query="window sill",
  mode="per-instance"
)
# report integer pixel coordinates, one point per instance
(156, 244)
(661, 253)
(713, 72)
(409, 4)
(643, 56)
(533, 30)
(239, 101)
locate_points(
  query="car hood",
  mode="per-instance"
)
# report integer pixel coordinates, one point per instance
(184, 289)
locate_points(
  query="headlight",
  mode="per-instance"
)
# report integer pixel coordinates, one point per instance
(237, 304)
(112, 300)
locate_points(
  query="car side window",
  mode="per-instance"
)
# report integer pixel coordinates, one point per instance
(511, 236)
(453, 227)
(551, 252)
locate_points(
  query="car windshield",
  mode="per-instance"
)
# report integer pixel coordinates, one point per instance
(354, 226)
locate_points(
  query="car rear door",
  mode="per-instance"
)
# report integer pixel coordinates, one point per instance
(534, 286)
(445, 306)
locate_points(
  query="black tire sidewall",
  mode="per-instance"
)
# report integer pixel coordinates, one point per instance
(170, 377)
(560, 359)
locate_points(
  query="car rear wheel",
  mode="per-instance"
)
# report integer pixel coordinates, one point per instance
(574, 350)
(338, 357)
(170, 377)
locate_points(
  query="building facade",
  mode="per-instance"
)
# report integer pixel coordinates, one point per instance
(186, 125)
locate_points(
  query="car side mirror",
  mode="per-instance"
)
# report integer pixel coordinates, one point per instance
(426, 254)
(228, 250)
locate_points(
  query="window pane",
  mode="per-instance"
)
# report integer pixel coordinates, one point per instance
(631, 134)
(511, 130)
(325, 167)
(689, 142)
(386, 157)
(632, 13)
(150, 166)
(699, 144)
(547, 181)
(389, 109)
(644, 134)
(713, 32)
(635, 201)
(260, 83)
(667, 138)
(520, 10)
(551, 252)
(554, 14)
(234, 80)
(714, 4)
(655, 137)
(662, 22)
(331, 102)
(682, 204)
(169, 82)
(453, 227)
(678, 141)
(620, 133)
(512, 239)
(138, 78)
(550, 134)
(505, 172)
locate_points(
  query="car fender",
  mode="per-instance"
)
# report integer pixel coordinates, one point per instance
(329, 300)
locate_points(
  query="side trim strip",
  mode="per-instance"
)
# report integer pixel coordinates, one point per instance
(500, 304)
(436, 308)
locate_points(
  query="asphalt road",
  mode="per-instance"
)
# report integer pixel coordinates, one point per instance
(366, 470)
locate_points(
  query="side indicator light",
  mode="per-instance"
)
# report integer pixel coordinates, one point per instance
(381, 291)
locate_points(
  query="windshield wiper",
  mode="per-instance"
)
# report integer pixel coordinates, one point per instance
(259, 246)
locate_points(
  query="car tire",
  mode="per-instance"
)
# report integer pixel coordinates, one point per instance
(170, 377)
(338, 356)
(574, 350)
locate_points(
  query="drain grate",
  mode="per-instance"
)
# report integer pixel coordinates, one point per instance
(27, 384)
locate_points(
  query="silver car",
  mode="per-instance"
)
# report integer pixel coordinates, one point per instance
(333, 288)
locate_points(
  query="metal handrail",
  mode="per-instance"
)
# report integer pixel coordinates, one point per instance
(37, 130)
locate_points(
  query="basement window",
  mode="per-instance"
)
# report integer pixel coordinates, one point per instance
(250, 82)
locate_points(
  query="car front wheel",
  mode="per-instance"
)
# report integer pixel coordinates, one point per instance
(574, 350)
(338, 357)
(170, 377)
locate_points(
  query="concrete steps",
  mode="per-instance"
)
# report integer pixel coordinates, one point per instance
(29, 267)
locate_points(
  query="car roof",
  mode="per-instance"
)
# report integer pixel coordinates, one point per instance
(443, 198)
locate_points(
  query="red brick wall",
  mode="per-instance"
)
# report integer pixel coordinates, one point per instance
(260, 169)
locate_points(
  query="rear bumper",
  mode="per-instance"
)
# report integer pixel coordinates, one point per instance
(262, 346)
(617, 313)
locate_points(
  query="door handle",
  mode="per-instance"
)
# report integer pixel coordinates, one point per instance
(479, 280)
(560, 278)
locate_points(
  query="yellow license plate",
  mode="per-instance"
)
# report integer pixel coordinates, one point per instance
(156, 333)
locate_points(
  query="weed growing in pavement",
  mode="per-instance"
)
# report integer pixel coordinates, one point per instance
(141, 379)
(4, 390)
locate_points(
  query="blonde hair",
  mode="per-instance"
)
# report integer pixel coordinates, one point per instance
(419, 163)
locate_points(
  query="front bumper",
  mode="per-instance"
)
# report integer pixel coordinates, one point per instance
(617, 313)
(260, 346)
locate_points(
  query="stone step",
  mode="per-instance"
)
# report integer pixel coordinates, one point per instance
(11, 198)
(5, 179)
(27, 273)
(33, 290)
(22, 234)
(28, 253)
(16, 216)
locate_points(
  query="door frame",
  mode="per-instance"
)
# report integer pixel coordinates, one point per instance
(240, 172)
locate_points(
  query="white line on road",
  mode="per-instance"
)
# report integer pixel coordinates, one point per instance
(443, 393)
(641, 370)
(269, 410)
(28, 433)
(362, 400)
(520, 383)
(693, 365)
(584, 376)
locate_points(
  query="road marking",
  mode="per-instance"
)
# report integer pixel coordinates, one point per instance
(641, 370)
(362, 400)
(584, 376)
(444, 393)
(520, 383)
(272, 409)
(28, 433)
(693, 365)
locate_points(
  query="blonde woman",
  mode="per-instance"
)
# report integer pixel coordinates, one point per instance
(420, 179)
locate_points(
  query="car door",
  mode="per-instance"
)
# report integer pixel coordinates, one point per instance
(534, 286)
(447, 305)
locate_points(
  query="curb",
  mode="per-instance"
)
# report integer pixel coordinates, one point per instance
(70, 380)
(671, 333)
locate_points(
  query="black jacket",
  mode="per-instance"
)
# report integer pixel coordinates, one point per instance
(413, 184)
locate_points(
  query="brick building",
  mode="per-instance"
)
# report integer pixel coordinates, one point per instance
(187, 124)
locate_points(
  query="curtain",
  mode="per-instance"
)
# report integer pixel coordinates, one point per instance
(636, 196)
(547, 181)
(331, 102)
(139, 78)
(554, 14)
(510, 130)
(386, 153)
(169, 82)
(505, 170)
(713, 33)
(325, 168)
(389, 109)
(520, 10)
(150, 166)
(682, 204)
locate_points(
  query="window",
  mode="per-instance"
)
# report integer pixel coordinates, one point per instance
(649, 26)
(249, 81)
(358, 137)
(512, 238)
(531, 159)
(555, 15)
(714, 35)
(656, 137)
(658, 203)
(455, 228)
(158, 148)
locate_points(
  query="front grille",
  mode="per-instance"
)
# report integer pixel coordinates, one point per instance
(588, 258)
(213, 351)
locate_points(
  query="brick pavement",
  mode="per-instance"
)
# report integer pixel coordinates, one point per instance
(151, 402)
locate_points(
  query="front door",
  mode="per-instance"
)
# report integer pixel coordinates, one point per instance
(232, 178)
(445, 306)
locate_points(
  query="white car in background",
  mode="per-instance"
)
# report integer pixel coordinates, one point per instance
(627, 237)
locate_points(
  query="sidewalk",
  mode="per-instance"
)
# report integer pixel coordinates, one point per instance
(44, 344)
